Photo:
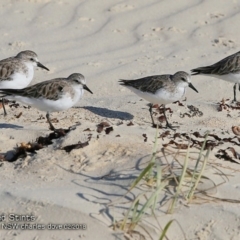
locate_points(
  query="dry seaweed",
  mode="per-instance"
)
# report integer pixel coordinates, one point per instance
(14, 104)
(145, 137)
(162, 118)
(108, 130)
(222, 105)
(18, 115)
(21, 151)
(69, 148)
(101, 126)
(193, 112)
(179, 103)
(226, 155)
(165, 134)
(178, 145)
(130, 124)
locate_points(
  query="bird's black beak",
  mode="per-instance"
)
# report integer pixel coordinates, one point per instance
(42, 66)
(86, 88)
(192, 87)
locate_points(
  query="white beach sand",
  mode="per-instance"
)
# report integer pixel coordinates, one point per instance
(107, 41)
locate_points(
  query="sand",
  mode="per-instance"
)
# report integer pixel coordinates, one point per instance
(107, 41)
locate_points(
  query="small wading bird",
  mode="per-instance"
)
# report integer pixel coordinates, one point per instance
(17, 72)
(160, 89)
(52, 95)
(227, 69)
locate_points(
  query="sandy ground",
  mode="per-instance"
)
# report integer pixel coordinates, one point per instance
(106, 41)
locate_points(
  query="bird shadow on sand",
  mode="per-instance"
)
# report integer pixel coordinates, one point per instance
(104, 112)
(7, 125)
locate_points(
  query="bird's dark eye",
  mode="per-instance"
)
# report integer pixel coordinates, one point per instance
(75, 80)
(183, 79)
(31, 59)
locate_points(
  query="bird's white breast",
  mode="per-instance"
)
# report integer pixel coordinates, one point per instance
(230, 77)
(162, 96)
(18, 80)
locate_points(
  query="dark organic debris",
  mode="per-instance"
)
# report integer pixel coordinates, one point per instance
(130, 124)
(228, 154)
(41, 117)
(118, 135)
(164, 134)
(21, 151)
(179, 103)
(69, 148)
(28, 107)
(18, 115)
(145, 137)
(89, 137)
(222, 105)
(178, 145)
(101, 126)
(162, 119)
(14, 104)
(108, 130)
(192, 142)
(182, 115)
(87, 130)
(161, 110)
(193, 112)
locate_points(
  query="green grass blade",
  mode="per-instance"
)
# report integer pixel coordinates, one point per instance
(165, 229)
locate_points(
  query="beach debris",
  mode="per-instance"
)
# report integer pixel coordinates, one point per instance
(13, 104)
(40, 117)
(191, 140)
(69, 148)
(222, 105)
(229, 154)
(101, 126)
(18, 115)
(32, 147)
(130, 124)
(165, 134)
(193, 112)
(236, 130)
(145, 137)
(161, 110)
(162, 118)
(108, 130)
(179, 103)
(178, 145)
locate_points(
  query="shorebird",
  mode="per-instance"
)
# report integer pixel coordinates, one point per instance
(227, 69)
(160, 89)
(17, 72)
(52, 95)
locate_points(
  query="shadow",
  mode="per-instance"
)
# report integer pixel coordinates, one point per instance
(7, 125)
(104, 112)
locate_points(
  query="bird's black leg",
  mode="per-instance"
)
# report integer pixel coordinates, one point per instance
(168, 125)
(49, 121)
(150, 110)
(234, 92)
(4, 109)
